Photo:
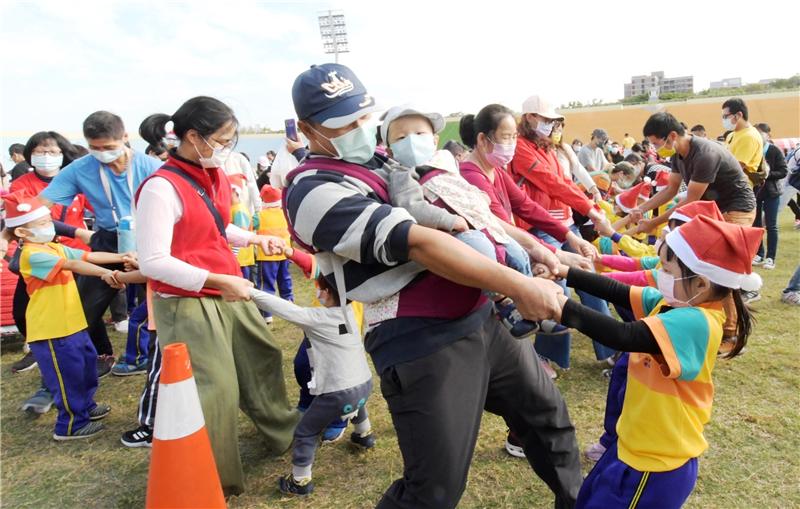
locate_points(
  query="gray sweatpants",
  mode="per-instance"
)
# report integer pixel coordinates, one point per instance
(324, 409)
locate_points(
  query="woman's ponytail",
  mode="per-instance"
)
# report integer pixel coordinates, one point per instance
(152, 129)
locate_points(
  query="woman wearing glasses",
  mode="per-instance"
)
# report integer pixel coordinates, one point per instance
(182, 235)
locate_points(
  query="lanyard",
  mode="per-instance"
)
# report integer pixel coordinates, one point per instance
(109, 194)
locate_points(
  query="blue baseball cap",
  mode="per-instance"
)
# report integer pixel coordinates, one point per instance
(331, 95)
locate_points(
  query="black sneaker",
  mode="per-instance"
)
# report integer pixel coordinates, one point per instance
(26, 363)
(139, 437)
(104, 365)
(289, 486)
(513, 446)
(519, 327)
(87, 431)
(99, 412)
(366, 441)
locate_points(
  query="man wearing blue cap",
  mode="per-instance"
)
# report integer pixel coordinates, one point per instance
(442, 358)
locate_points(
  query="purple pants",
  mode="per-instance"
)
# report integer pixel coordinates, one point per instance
(69, 370)
(612, 483)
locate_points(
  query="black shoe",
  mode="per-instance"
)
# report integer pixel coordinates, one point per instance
(104, 365)
(139, 437)
(99, 412)
(509, 316)
(289, 486)
(87, 431)
(24, 364)
(366, 441)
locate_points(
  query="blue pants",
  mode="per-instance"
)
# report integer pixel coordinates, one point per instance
(556, 348)
(614, 400)
(276, 274)
(247, 271)
(612, 484)
(302, 373)
(69, 370)
(516, 257)
(138, 336)
(794, 282)
(767, 216)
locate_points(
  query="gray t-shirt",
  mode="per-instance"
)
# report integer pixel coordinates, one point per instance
(710, 163)
(592, 158)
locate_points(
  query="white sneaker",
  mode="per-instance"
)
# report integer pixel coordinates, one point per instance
(757, 260)
(750, 297)
(121, 326)
(268, 320)
(791, 298)
(769, 264)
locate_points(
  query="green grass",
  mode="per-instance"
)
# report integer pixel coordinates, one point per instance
(450, 132)
(752, 460)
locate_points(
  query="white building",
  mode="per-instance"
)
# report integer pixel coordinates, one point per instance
(657, 84)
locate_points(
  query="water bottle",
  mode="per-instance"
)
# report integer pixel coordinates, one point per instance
(126, 237)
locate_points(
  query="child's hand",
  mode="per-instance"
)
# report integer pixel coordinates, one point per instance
(543, 271)
(269, 244)
(460, 225)
(131, 262)
(110, 279)
(604, 228)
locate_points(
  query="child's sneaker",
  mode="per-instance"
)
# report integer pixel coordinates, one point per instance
(39, 403)
(104, 365)
(769, 264)
(514, 446)
(121, 326)
(791, 297)
(289, 486)
(757, 260)
(551, 328)
(366, 441)
(594, 452)
(750, 297)
(139, 437)
(519, 327)
(122, 368)
(332, 434)
(99, 412)
(87, 431)
(26, 363)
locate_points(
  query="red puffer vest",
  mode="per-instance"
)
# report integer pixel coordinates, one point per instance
(196, 239)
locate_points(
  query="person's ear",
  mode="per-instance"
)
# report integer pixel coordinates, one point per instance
(21, 232)
(125, 138)
(703, 283)
(305, 128)
(436, 140)
(389, 151)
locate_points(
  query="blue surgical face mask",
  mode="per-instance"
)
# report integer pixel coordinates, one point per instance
(357, 146)
(414, 149)
(42, 235)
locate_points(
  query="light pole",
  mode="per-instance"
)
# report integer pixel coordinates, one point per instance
(333, 32)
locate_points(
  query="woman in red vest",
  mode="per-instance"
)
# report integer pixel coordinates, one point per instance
(182, 235)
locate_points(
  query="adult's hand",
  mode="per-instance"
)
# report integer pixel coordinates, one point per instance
(292, 145)
(537, 299)
(543, 271)
(540, 254)
(636, 215)
(645, 225)
(269, 244)
(131, 262)
(233, 288)
(583, 247)
(573, 260)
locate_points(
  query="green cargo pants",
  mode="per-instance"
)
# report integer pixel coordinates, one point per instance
(236, 364)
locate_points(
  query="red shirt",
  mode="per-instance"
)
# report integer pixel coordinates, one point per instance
(196, 239)
(544, 182)
(33, 184)
(507, 201)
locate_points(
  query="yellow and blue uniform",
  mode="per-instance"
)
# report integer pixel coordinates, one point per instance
(244, 255)
(57, 332)
(273, 269)
(667, 402)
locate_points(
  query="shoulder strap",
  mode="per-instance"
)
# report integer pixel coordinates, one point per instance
(203, 195)
(356, 171)
(107, 188)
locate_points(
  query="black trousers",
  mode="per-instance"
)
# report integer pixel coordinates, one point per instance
(20, 306)
(149, 397)
(96, 296)
(436, 404)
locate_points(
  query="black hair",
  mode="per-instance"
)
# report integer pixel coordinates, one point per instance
(626, 135)
(68, 151)
(271, 152)
(724, 136)
(736, 105)
(103, 124)
(697, 127)
(156, 149)
(763, 127)
(661, 124)
(744, 316)
(486, 122)
(80, 150)
(245, 156)
(637, 147)
(325, 285)
(15, 148)
(577, 140)
(685, 127)
(454, 147)
(633, 158)
(625, 168)
(205, 115)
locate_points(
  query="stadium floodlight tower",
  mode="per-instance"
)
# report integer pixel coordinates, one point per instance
(333, 32)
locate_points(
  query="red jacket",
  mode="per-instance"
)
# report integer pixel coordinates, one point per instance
(543, 180)
(195, 237)
(33, 184)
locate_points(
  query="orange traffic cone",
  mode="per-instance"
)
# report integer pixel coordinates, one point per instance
(182, 468)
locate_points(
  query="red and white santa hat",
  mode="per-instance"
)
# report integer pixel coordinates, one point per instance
(722, 252)
(630, 198)
(662, 180)
(238, 182)
(693, 209)
(271, 196)
(22, 208)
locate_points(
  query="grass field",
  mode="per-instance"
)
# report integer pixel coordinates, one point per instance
(752, 461)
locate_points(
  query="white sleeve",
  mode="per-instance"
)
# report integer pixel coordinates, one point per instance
(255, 194)
(238, 237)
(578, 171)
(157, 211)
(289, 311)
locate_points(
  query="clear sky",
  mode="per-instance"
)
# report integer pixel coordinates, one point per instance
(64, 59)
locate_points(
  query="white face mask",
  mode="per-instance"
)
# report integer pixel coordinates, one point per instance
(414, 149)
(107, 156)
(666, 285)
(217, 159)
(544, 128)
(42, 235)
(47, 164)
(728, 124)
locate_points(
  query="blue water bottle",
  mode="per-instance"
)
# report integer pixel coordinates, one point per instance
(126, 237)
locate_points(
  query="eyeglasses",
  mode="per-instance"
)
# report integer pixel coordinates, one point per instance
(46, 152)
(728, 115)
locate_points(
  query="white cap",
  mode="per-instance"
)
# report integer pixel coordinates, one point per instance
(536, 104)
(406, 110)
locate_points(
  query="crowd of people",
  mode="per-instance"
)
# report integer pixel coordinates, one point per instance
(450, 267)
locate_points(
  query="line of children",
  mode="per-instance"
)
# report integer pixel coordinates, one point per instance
(57, 326)
(673, 345)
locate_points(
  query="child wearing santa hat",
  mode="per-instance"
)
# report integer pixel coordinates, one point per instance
(57, 333)
(273, 269)
(673, 344)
